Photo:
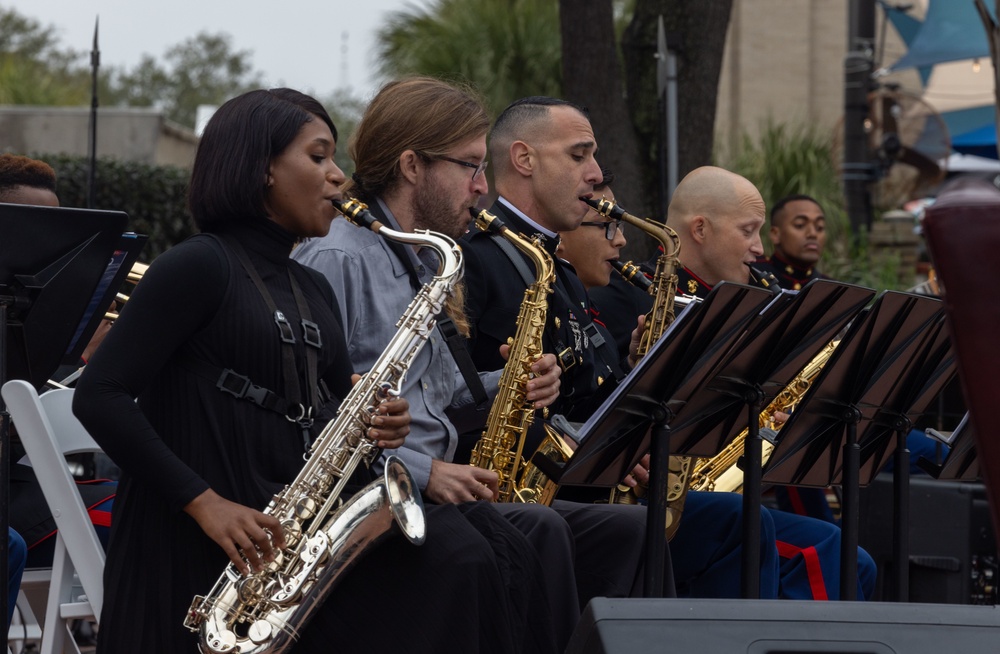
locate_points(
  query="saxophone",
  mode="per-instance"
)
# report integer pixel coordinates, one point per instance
(501, 447)
(721, 473)
(663, 288)
(325, 536)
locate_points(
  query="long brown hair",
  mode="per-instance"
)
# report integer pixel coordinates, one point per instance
(423, 114)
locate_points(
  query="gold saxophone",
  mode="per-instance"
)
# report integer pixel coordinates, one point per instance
(325, 536)
(501, 447)
(721, 472)
(663, 288)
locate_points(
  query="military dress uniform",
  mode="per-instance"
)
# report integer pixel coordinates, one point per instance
(788, 274)
(808, 549)
(495, 289)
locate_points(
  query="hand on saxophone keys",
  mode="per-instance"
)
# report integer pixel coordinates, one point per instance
(391, 422)
(633, 345)
(248, 536)
(639, 475)
(543, 389)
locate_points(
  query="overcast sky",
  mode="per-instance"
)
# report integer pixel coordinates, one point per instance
(298, 43)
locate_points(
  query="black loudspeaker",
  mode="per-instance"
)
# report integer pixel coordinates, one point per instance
(953, 551)
(684, 626)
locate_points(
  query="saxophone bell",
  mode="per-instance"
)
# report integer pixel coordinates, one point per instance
(384, 507)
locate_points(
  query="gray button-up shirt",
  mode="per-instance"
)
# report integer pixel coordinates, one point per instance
(373, 289)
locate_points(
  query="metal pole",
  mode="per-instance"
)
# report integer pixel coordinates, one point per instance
(858, 65)
(95, 64)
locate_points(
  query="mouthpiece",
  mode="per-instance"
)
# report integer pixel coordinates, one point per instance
(632, 274)
(765, 279)
(606, 208)
(487, 222)
(357, 212)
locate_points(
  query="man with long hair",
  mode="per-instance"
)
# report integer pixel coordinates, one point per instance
(420, 155)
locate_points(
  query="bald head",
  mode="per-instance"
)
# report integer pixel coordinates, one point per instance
(717, 215)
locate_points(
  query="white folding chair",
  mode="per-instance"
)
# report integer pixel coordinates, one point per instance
(49, 431)
(26, 629)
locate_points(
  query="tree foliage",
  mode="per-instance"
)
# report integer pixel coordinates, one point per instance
(33, 68)
(202, 70)
(507, 48)
(154, 197)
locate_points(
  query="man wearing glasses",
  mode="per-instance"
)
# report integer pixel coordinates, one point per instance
(420, 152)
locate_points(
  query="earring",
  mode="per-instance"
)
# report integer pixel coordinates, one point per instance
(268, 181)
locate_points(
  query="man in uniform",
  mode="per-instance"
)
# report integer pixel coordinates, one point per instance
(420, 154)
(718, 216)
(542, 152)
(798, 234)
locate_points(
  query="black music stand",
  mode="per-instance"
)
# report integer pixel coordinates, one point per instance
(636, 418)
(51, 262)
(821, 436)
(927, 372)
(778, 344)
(962, 463)
(125, 254)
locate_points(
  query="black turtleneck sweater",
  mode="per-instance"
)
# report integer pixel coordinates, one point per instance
(184, 435)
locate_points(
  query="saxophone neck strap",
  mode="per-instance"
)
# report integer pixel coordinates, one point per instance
(243, 388)
(601, 346)
(308, 404)
(460, 353)
(457, 344)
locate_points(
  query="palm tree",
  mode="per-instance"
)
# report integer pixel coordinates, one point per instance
(506, 48)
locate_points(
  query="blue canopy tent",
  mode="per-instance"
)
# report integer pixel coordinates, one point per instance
(953, 31)
(981, 142)
(907, 27)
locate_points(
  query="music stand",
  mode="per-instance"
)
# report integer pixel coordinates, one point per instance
(51, 260)
(821, 436)
(125, 254)
(961, 464)
(925, 374)
(782, 339)
(636, 418)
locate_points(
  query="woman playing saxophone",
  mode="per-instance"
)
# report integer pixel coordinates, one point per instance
(237, 358)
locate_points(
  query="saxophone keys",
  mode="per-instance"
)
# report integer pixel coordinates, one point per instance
(221, 641)
(305, 508)
(260, 632)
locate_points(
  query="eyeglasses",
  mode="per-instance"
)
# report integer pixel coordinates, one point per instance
(479, 167)
(610, 227)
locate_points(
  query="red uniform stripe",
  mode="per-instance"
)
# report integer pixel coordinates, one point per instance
(813, 568)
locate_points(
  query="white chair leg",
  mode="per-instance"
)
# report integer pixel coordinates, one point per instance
(54, 633)
(25, 628)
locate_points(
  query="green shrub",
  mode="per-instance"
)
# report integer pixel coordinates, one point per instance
(787, 160)
(154, 197)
